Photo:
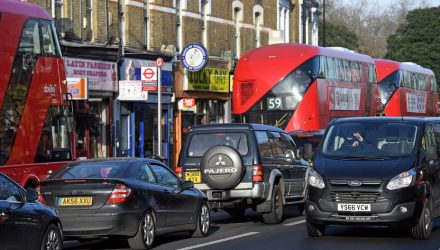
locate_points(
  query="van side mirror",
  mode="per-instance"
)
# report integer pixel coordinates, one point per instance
(308, 151)
(432, 153)
(290, 155)
(300, 152)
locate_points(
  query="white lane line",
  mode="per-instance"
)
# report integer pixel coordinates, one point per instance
(294, 223)
(218, 241)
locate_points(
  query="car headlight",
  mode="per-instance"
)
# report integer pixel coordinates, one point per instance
(404, 179)
(314, 179)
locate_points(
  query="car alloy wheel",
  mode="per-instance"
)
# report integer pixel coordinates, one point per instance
(422, 230)
(203, 222)
(52, 238)
(205, 219)
(144, 238)
(148, 229)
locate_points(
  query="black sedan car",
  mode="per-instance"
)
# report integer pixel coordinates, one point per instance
(132, 198)
(25, 223)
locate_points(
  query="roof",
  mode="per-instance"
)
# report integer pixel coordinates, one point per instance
(24, 8)
(412, 119)
(236, 126)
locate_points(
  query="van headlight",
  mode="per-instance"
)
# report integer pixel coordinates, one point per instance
(314, 179)
(404, 179)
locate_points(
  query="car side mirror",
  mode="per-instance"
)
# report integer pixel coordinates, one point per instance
(290, 155)
(187, 185)
(31, 195)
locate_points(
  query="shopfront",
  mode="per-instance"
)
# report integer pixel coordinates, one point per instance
(202, 97)
(136, 115)
(92, 84)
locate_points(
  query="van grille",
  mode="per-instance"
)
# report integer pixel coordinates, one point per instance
(355, 197)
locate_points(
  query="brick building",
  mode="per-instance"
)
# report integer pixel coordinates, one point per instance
(130, 34)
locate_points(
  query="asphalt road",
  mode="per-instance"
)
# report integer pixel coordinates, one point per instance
(251, 233)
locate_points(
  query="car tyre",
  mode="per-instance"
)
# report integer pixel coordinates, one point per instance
(203, 222)
(314, 230)
(422, 230)
(276, 214)
(144, 238)
(52, 238)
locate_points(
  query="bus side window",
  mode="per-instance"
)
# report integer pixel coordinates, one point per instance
(48, 39)
(30, 38)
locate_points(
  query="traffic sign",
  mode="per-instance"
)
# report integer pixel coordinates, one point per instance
(159, 62)
(149, 74)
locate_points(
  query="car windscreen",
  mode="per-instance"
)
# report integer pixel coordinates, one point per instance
(92, 171)
(372, 139)
(201, 142)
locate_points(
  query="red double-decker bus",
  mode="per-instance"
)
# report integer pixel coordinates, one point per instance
(301, 87)
(406, 89)
(35, 121)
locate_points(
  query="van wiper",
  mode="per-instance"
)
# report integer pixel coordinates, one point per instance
(362, 157)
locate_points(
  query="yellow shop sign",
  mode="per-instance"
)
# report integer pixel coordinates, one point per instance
(209, 79)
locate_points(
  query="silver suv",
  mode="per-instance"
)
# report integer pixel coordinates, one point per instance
(241, 166)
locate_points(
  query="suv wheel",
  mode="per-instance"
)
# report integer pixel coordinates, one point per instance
(276, 214)
(222, 167)
(422, 231)
(314, 230)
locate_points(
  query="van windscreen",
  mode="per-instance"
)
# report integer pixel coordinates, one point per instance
(200, 143)
(375, 139)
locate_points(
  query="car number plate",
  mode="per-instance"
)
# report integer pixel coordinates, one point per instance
(354, 207)
(193, 176)
(75, 201)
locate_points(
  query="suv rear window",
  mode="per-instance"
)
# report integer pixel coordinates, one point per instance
(200, 143)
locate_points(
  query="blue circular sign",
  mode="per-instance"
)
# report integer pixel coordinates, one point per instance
(194, 57)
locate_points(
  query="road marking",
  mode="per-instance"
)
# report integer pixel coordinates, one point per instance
(294, 223)
(218, 241)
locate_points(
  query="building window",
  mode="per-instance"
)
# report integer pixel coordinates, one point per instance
(146, 24)
(237, 14)
(58, 9)
(205, 10)
(258, 22)
(88, 23)
(179, 25)
(284, 23)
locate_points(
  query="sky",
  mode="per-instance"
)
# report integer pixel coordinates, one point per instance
(389, 3)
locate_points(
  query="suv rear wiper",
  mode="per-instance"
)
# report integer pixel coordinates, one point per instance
(362, 157)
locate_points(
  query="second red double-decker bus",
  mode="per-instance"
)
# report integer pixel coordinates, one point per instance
(35, 122)
(303, 87)
(406, 89)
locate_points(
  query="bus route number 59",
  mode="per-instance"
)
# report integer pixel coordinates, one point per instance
(274, 103)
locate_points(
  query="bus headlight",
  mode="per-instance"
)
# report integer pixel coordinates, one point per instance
(314, 179)
(404, 179)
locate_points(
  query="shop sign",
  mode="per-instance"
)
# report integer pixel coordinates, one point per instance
(187, 104)
(134, 69)
(132, 91)
(101, 75)
(209, 79)
(194, 57)
(77, 87)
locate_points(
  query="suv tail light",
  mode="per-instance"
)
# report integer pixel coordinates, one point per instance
(119, 194)
(179, 171)
(40, 196)
(257, 173)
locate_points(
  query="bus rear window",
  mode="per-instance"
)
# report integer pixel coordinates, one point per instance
(200, 143)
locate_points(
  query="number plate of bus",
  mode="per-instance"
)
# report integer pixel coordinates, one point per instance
(75, 201)
(193, 176)
(354, 207)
